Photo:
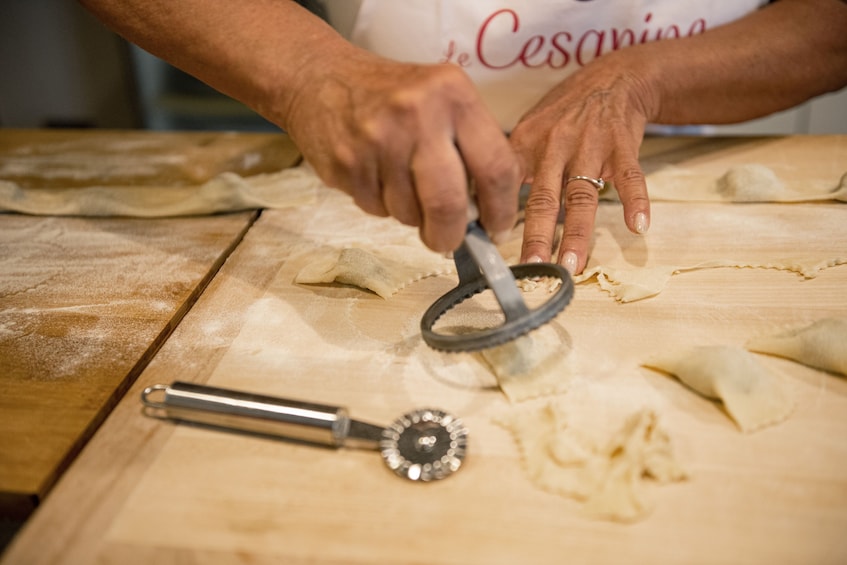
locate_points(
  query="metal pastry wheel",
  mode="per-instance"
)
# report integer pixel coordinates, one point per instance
(423, 445)
(481, 267)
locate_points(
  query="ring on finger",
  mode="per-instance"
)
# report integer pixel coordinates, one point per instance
(598, 183)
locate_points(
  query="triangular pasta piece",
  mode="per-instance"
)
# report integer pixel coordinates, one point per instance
(752, 396)
(383, 271)
(822, 345)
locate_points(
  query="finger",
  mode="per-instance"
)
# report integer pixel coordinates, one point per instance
(580, 203)
(631, 185)
(542, 212)
(496, 174)
(390, 139)
(493, 165)
(356, 174)
(398, 189)
(398, 195)
(367, 192)
(439, 178)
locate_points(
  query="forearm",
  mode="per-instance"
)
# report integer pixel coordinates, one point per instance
(257, 51)
(773, 59)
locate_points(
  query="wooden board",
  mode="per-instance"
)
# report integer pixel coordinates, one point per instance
(85, 303)
(151, 491)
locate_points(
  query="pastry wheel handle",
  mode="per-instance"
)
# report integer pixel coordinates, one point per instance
(478, 256)
(254, 413)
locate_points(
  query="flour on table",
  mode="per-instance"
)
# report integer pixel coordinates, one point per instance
(606, 471)
(227, 192)
(749, 182)
(384, 271)
(822, 345)
(752, 396)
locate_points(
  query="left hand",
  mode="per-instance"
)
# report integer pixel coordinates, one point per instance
(591, 124)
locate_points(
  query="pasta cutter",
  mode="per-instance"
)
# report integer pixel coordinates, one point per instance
(422, 445)
(481, 267)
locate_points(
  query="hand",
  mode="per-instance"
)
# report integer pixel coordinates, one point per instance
(590, 125)
(403, 140)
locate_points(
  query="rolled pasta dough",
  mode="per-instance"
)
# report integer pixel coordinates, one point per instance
(748, 182)
(629, 285)
(226, 192)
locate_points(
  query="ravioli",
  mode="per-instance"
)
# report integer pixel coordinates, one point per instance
(539, 363)
(822, 345)
(752, 396)
(384, 271)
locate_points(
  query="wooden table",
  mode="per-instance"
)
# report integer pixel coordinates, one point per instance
(85, 303)
(145, 490)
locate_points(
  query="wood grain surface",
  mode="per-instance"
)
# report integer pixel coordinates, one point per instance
(84, 302)
(147, 490)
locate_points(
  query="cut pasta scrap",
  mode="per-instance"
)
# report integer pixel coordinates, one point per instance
(605, 471)
(753, 396)
(629, 285)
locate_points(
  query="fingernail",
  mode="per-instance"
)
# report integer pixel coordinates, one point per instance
(535, 259)
(570, 261)
(641, 223)
(501, 237)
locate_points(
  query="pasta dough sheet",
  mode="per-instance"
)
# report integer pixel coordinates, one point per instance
(629, 285)
(227, 192)
(750, 182)
(822, 345)
(537, 364)
(384, 271)
(607, 472)
(752, 396)
(798, 240)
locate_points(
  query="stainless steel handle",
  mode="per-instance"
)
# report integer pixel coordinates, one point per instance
(243, 411)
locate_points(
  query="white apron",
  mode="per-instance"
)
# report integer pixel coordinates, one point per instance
(517, 50)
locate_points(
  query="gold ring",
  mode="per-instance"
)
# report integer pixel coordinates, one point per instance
(599, 184)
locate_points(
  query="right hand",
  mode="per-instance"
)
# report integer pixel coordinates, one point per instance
(404, 140)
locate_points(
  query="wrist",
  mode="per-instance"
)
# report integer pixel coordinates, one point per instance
(641, 75)
(287, 75)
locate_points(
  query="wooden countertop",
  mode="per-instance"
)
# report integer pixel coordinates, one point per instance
(146, 490)
(86, 302)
